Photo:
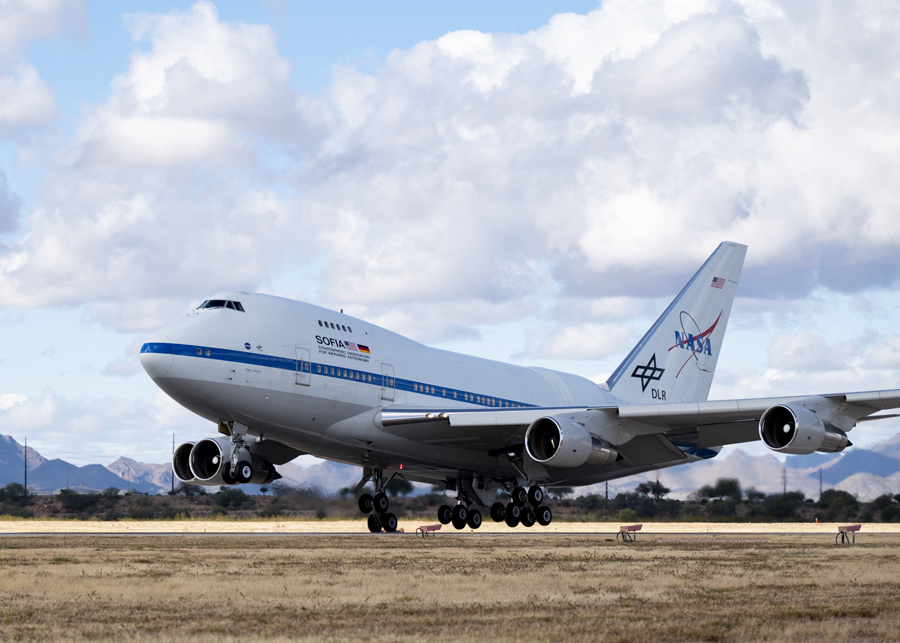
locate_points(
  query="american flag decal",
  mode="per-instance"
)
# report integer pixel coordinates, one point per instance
(717, 282)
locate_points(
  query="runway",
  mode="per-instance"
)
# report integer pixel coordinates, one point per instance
(358, 527)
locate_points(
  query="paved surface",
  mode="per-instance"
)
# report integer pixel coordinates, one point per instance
(356, 527)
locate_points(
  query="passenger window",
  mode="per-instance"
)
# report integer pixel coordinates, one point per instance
(454, 395)
(207, 352)
(415, 388)
(349, 330)
(320, 322)
(344, 328)
(332, 325)
(318, 366)
(332, 371)
(200, 351)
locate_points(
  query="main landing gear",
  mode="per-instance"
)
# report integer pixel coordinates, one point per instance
(524, 507)
(377, 506)
(463, 515)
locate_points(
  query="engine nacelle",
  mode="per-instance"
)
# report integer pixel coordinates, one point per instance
(210, 463)
(796, 430)
(181, 463)
(560, 442)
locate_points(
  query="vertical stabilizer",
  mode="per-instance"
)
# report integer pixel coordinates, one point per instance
(676, 360)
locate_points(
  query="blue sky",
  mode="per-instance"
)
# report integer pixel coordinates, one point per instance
(524, 181)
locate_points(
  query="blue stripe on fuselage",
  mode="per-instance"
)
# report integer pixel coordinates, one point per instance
(329, 370)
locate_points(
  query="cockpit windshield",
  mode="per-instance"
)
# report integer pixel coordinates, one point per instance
(222, 303)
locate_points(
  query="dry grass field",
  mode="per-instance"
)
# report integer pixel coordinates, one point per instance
(452, 588)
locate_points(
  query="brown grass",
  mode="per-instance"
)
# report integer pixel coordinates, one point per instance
(452, 587)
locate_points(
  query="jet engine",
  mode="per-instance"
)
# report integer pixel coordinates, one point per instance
(796, 430)
(181, 463)
(208, 462)
(560, 442)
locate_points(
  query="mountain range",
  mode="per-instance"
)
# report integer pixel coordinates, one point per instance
(866, 473)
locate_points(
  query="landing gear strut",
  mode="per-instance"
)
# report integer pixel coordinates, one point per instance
(524, 507)
(377, 506)
(463, 514)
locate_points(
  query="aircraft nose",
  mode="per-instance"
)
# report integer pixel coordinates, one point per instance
(155, 360)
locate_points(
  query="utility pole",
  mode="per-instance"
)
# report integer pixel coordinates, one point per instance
(820, 483)
(607, 489)
(26, 466)
(172, 471)
(784, 479)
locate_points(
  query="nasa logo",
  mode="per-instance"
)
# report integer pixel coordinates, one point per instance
(247, 345)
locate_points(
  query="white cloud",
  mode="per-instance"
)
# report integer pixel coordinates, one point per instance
(474, 178)
(85, 432)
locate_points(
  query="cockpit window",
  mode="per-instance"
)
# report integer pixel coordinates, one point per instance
(205, 301)
(221, 303)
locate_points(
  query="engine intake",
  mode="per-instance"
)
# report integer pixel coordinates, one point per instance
(796, 430)
(181, 463)
(560, 442)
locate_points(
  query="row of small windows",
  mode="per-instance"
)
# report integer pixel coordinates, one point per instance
(221, 303)
(347, 374)
(466, 397)
(346, 329)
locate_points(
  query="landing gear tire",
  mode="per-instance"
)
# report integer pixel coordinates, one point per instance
(460, 513)
(381, 502)
(527, 518)
(519, 496)
(544, 516)
(498, 512)
(244, 472)
(535, 496)
(474, 519)
(365, 503)
(459, 524)
(512, 516)
(445, 514)
(227, 478)
(389, 522)
(374, 523)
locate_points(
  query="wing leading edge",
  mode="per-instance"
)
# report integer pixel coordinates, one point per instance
(704, 424)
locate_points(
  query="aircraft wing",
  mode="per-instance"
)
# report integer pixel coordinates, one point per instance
(704, 424)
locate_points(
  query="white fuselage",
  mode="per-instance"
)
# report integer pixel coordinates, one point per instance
(313, 379)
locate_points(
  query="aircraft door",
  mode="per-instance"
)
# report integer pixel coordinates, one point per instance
(387, 382)
(303, 366)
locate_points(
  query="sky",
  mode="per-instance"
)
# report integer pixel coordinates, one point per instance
(525, 181)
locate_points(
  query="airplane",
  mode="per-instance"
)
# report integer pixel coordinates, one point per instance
(282, 378)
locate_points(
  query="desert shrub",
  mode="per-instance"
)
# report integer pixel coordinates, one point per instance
(76, 502)
(628, 515)
(15, 511)
(783, 505)
(637, 502)
(141, 513)
(234, 498)
(722, 507)
(838, 505)
(13, 494)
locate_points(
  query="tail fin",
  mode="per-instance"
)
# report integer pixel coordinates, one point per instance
(676, 360)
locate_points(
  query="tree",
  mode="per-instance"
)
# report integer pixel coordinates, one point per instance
(14, 494)
(558, 493)
(110, 493)
(399, 487)
(724, 488)
(655, 489)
